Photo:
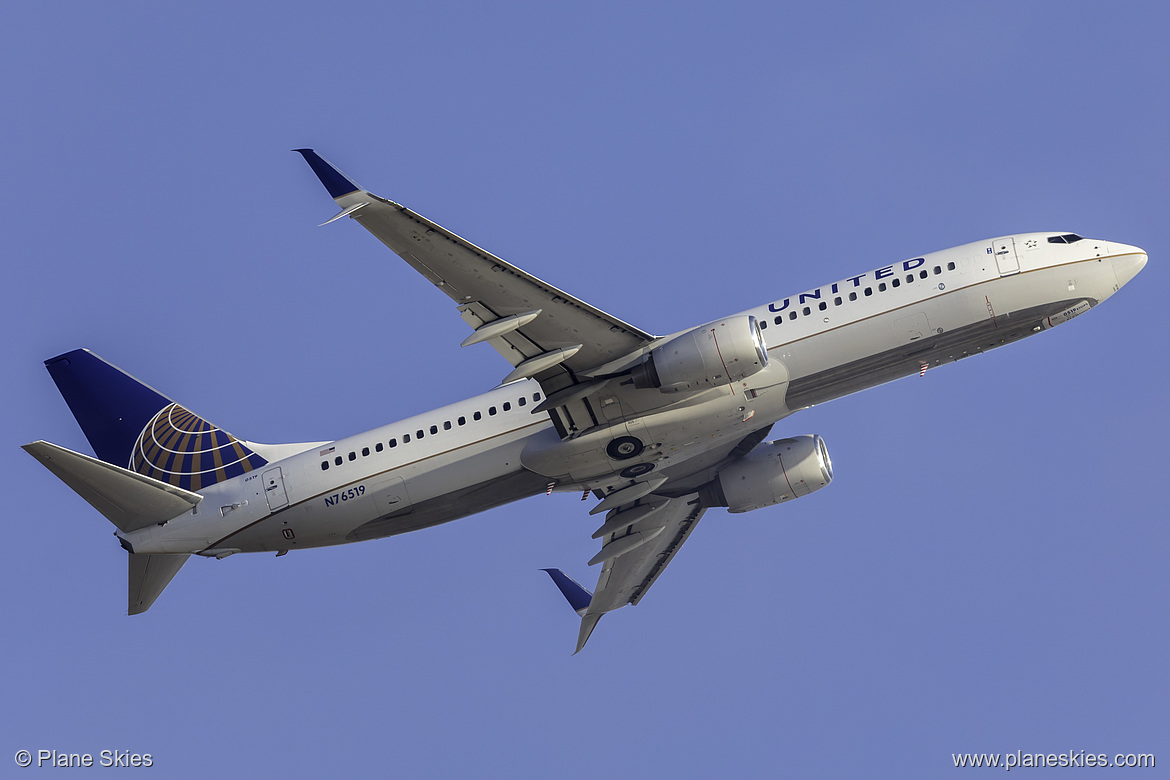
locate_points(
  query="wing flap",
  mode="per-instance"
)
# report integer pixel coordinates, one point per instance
(625, 578)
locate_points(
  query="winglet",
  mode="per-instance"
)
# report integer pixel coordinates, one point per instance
(334, 180)
(588, 623)
(579, 599)
(577, 596)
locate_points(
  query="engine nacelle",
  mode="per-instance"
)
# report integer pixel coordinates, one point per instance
(717, 353)
(773, 472)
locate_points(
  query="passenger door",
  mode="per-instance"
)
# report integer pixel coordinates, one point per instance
(1005, 256)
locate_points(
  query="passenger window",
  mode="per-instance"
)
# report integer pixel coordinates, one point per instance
(447, 425)
(763, 324)
(406, 438)
(324, 465)
(419, 433)
(491, 410)
(822, 305)
(365, 452)
(523, 401)
(507, 406)
(882, 287)
(909, 278)
(353, 456)
(852, 296)
(337, 461)
(779, 318)
(937, 270)
(896, 282)
(536, 396)
(922, 274)
(434, 429)
(792, 315)
(477, 416)
(378, 447)
(463, 421)
(950, 266)
(807, 311)
(393, 443)
(868, 291)
(837, 301)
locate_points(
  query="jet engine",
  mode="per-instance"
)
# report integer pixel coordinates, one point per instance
(717, 353)
(773, 472)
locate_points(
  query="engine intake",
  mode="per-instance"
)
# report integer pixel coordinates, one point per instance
(717, 353)
(773, 472)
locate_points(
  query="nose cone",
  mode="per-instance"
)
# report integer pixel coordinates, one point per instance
(1127, 261)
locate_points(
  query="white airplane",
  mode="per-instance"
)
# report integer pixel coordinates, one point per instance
(658, 428)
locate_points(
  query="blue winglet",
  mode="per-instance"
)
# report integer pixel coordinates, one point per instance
(335, 182)
(578, 598)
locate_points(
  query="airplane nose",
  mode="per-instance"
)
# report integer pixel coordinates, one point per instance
(1126, 266)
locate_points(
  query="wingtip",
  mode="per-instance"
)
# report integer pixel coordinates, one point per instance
(578, 597)
(336, 183)
(588, 623)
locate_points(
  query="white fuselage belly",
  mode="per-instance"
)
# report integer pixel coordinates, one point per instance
(467, 465)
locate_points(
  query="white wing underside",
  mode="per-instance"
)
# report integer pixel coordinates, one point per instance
(625, 578)
(488, 289)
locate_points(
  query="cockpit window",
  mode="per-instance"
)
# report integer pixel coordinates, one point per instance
(1067, 238)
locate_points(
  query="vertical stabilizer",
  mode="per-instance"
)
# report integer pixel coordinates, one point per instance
(111, 406)
(132, 425)
(149, 574)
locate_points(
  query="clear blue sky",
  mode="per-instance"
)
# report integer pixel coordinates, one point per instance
(988, 572)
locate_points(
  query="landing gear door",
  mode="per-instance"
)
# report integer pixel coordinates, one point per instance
(1005, 256)
(274, 489)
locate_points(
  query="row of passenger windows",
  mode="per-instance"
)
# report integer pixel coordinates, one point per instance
(421, 433)
(837, 301)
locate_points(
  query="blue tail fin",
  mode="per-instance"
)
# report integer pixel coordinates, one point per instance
(134, 426)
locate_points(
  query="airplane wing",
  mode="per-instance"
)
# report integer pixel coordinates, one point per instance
(542, 331)
(637, 544)
(645, 525)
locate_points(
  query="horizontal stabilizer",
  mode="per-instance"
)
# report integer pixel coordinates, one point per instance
(149, 574)
(129, 500)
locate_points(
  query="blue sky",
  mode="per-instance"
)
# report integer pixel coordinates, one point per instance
(987, 573)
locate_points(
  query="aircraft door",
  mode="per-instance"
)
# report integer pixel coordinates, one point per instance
(1005, 256)
(274, 489)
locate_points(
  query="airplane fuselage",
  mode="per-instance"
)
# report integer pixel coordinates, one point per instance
(901, 319)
